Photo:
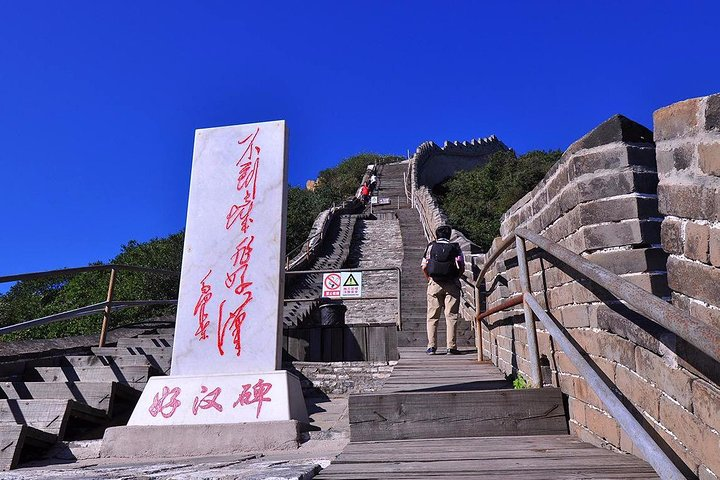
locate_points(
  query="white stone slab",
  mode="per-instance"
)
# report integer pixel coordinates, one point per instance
(216, 399)
(229, 304)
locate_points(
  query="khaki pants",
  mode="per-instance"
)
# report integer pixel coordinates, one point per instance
(439, 295)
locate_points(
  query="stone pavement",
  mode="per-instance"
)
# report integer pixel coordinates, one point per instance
(328, 436)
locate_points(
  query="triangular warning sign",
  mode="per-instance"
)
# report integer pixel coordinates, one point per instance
(350, 282)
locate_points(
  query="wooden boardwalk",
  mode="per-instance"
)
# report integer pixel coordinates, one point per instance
(416, 372)
(484, 428)
(528, 458)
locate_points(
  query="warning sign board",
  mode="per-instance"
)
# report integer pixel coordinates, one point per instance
(342, 285)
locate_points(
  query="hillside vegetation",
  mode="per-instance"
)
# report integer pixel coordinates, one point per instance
(475, 200)
(42, 297)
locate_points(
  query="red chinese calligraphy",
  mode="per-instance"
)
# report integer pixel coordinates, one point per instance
(165, 403)
(208, 401)
(233, 323)
(235, 277)
(199, 311)
(259, 390)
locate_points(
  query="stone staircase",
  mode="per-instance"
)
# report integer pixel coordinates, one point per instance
(332, 255)
(413, 284)
(63, 398)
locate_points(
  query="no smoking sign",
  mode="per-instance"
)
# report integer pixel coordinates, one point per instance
(342, 285)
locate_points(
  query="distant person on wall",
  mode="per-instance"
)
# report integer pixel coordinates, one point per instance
(442, 264)
(373, 182)
(365, 193)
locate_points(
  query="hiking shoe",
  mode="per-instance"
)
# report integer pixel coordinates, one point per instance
(430, 351)
(452, 351)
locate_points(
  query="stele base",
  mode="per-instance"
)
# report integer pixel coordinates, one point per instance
(220, 399)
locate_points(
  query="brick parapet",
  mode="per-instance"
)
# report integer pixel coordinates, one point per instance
(600, 201)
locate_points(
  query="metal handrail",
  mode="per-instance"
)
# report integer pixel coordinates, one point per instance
(397, 295)
(81, 312)
(106, 307)
(655, 309)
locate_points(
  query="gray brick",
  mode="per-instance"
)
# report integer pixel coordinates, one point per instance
(694, 280)
(671, 236)
(697, 238)
(678, 158)
(677, 120)
(712, 113)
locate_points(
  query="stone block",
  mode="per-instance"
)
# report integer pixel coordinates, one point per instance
(629, 232)
(218, 439)
(637, 260)
(628, 324)
(697, 237)
(712, 116)
(714, 247)
(602, 425)
(677, 158)
(564, 365)
(606, 345)
(709, 158)
(706, 403)
(697, 200)
(673, 381)
(617, 128)
(613, 159)
(691, 432)
(576, 409)
(694, 280)
(671, 235)
(677, 120)
(573, 316)
(586, 394)
(638, 390)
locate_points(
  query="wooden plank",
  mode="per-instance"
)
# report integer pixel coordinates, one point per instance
(12, 439)
(456, 414)
(47, 415)
(540, 457)
(133, 375)
(351, 345)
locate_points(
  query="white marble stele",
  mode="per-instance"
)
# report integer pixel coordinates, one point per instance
(227, 345)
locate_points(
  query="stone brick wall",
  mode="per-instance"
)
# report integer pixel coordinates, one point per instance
(434, 164)
(687, 136)
(688, 150)
(600, 201)
(375, 244)
(341, 378)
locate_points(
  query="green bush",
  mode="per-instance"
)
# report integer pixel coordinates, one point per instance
(475, 200)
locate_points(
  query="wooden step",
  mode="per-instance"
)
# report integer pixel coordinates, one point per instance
(137, 376)
(149, 342)
(106, 396)
(511, 457)
(51, 416)
(159, 362)
(16, 440)
(118, 351)
(441, 414)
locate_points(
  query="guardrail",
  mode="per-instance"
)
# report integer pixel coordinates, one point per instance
(694, 331)
(397, 295)
(106, 307)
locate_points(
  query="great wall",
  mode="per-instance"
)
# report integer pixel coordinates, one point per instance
(643, 205)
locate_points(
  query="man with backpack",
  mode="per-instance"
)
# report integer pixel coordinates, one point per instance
(442, 264)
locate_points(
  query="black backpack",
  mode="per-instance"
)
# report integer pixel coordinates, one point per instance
(441, 261)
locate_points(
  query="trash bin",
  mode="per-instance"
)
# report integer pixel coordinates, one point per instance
(332, 314)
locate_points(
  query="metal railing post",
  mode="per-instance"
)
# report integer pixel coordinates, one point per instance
(108, 307)
(399, 280)
(536, 377)
(478, 326)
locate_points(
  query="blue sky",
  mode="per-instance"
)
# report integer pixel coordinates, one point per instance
(99, 100)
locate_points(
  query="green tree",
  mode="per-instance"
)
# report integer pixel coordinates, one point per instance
(475, 200)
